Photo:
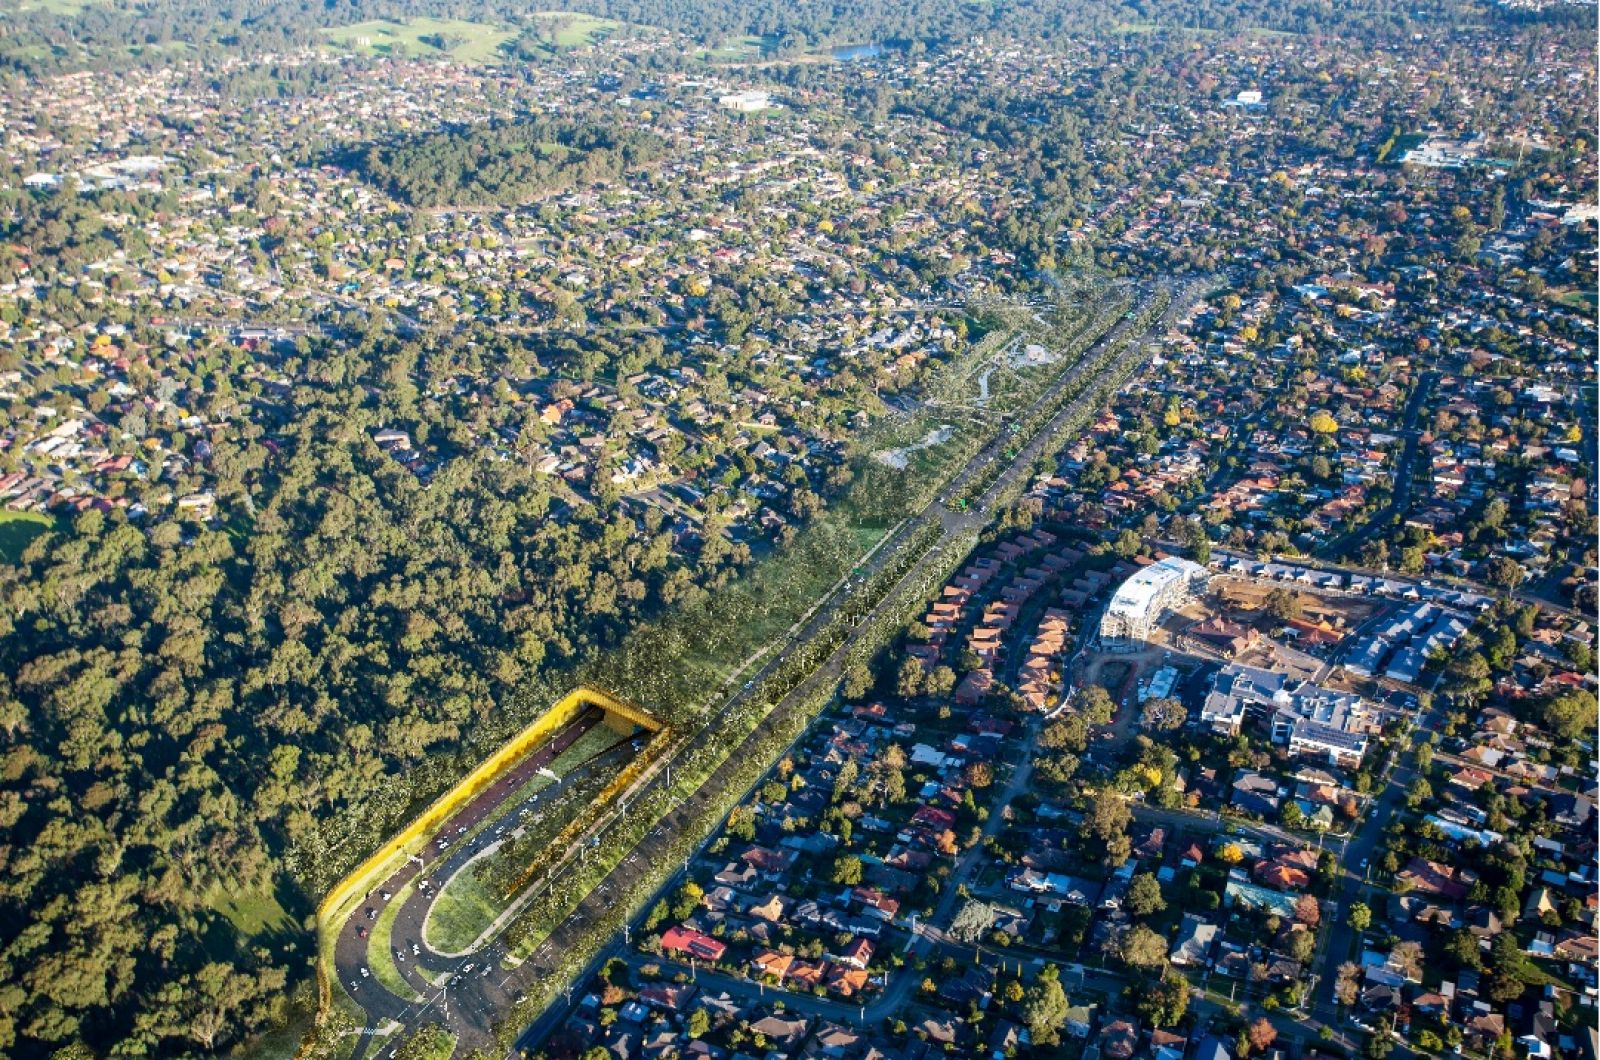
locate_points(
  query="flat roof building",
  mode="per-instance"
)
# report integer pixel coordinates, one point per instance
(1144, 599)
(1314, 722)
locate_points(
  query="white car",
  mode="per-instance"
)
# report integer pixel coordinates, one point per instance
(364, 973)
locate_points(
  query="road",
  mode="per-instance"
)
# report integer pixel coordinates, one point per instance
(1355, 863)
(458, 843)
(1400, 498)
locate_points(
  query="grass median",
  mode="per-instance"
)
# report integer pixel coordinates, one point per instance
(463, 911)
(380, 951)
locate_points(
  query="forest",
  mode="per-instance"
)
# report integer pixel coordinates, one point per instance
(196, 718)
(502, 163)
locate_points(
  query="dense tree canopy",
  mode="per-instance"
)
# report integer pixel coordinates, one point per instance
(502, 163)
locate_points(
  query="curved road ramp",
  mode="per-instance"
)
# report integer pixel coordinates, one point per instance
(587, 738)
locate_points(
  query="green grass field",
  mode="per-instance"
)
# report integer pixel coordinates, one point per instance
(18, 530)
(736, 50)
(572, 29)
(380, 947)
(468, 42)
(1573, 298)
(252, 912)
(68, 8)
(463, 911)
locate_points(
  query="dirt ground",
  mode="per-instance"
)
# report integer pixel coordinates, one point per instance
(1247, 595)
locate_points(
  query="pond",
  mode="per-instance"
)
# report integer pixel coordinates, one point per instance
(852, 52)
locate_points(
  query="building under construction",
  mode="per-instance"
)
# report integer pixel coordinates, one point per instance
(1144, 599)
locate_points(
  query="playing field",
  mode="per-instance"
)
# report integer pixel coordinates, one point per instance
(58, 7)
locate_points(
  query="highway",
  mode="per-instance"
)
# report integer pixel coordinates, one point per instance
(951, 525)
(474, 1002)
(458, 842)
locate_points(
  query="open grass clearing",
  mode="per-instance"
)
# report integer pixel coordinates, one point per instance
(464, 910)
(65, 8)
(19, 529)
(737, 49)
(251, 912)
(468, 42)
(565, 30)
(1582, 300)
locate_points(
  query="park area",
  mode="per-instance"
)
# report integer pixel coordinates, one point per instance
(471, 42)
(546, 33)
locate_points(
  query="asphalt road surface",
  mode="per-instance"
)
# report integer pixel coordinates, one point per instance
(451, 849)
(1400, 499)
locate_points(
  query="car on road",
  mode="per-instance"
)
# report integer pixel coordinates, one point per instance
(361, 932)
(353, 984)
(372, 914)
(386, 895)
(415, 952)
(364, 973)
